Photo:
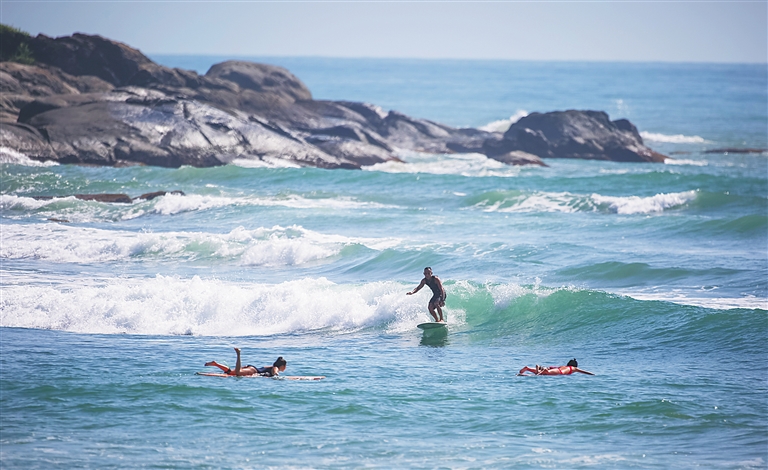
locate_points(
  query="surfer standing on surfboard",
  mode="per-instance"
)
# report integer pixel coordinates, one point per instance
(269, 371)
(438, 293)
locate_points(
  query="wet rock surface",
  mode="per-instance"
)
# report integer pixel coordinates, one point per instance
(90, 100)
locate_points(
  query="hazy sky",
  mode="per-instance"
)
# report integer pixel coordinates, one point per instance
(700, 31)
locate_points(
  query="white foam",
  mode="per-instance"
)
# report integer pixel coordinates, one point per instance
(503, 125)
(10, 202)
(565, 202)
(265, 163)
(167, 305)
(675, 161)
(172, 204)
(464, 164)
(644, 205)
(673, 139)
(76, 210)
(10, 156)
(539, 201)
(275, 246)
(720, 303)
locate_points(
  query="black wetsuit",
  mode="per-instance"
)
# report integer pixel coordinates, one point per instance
(437, 293)
(265, 371)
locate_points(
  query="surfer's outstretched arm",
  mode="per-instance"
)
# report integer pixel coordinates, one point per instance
(576, 369)
(423, 281)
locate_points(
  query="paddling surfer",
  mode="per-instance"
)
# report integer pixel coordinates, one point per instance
(268, 371)
(568, 369)
(438, 293)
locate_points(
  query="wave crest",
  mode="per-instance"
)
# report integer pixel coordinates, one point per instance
(522, 201)
(467, 164)
(169, 305)
(673, 139)
(503, 125)
(270, 247)
(12, 157)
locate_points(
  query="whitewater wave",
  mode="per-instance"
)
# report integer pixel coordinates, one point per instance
(645, 205)
(467, 164)
(170, 305)
(750, 302)
(167, 305)
(265, 163)
(673, 139)
(12, 157)
(565, 202)
(503, 125)
(76, 210)
(675, 161)
(270, 247)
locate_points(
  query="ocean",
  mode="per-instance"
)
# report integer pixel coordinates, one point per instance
(653, 276)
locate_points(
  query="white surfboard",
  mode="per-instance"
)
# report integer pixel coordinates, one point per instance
(431, 325)
(279, 377)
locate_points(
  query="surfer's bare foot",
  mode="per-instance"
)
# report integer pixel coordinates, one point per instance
(212, 363)
(237, 350)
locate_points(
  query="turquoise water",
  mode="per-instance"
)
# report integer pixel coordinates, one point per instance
(652, 275)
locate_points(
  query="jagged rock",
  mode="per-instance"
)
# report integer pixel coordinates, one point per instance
(82, 54)
(736, 150)
(89, 100)
(111, 198)
(518, 157)
(150, 196)
(575, 134)
(146, 126)
(21, 84)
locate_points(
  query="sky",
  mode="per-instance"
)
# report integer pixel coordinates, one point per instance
(647, 30)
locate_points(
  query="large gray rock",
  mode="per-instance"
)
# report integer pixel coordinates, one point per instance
(82, 54)
(574, 134)
(149, 127)
(21, 84)
(94, 101)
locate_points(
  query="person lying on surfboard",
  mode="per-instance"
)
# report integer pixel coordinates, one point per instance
(438, 293)
(269, 371)
(568, 369)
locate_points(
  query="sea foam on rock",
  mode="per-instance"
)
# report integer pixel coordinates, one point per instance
(90, 100)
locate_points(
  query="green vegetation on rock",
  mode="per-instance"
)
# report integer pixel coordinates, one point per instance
(13, 45)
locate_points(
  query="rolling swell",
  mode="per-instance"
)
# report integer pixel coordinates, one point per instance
(534, 315)
(639, 274)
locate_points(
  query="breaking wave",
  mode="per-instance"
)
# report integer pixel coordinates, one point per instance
(169, 305)
(502, 125)
(10, 156)
(269, 247)
(467, 164)
(673, 139)
(523, 201)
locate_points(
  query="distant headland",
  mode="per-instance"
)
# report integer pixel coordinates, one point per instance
(88, 100)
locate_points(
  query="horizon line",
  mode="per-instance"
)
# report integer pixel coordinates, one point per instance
(475, 59)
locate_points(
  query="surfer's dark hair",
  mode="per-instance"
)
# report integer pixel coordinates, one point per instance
(573, 363)
(279, 362)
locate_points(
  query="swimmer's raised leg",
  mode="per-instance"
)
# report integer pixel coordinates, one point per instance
(216, 364)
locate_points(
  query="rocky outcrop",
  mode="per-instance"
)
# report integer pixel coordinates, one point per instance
(736, 150)
(574, 134)
(118, 198)
(89, 100)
